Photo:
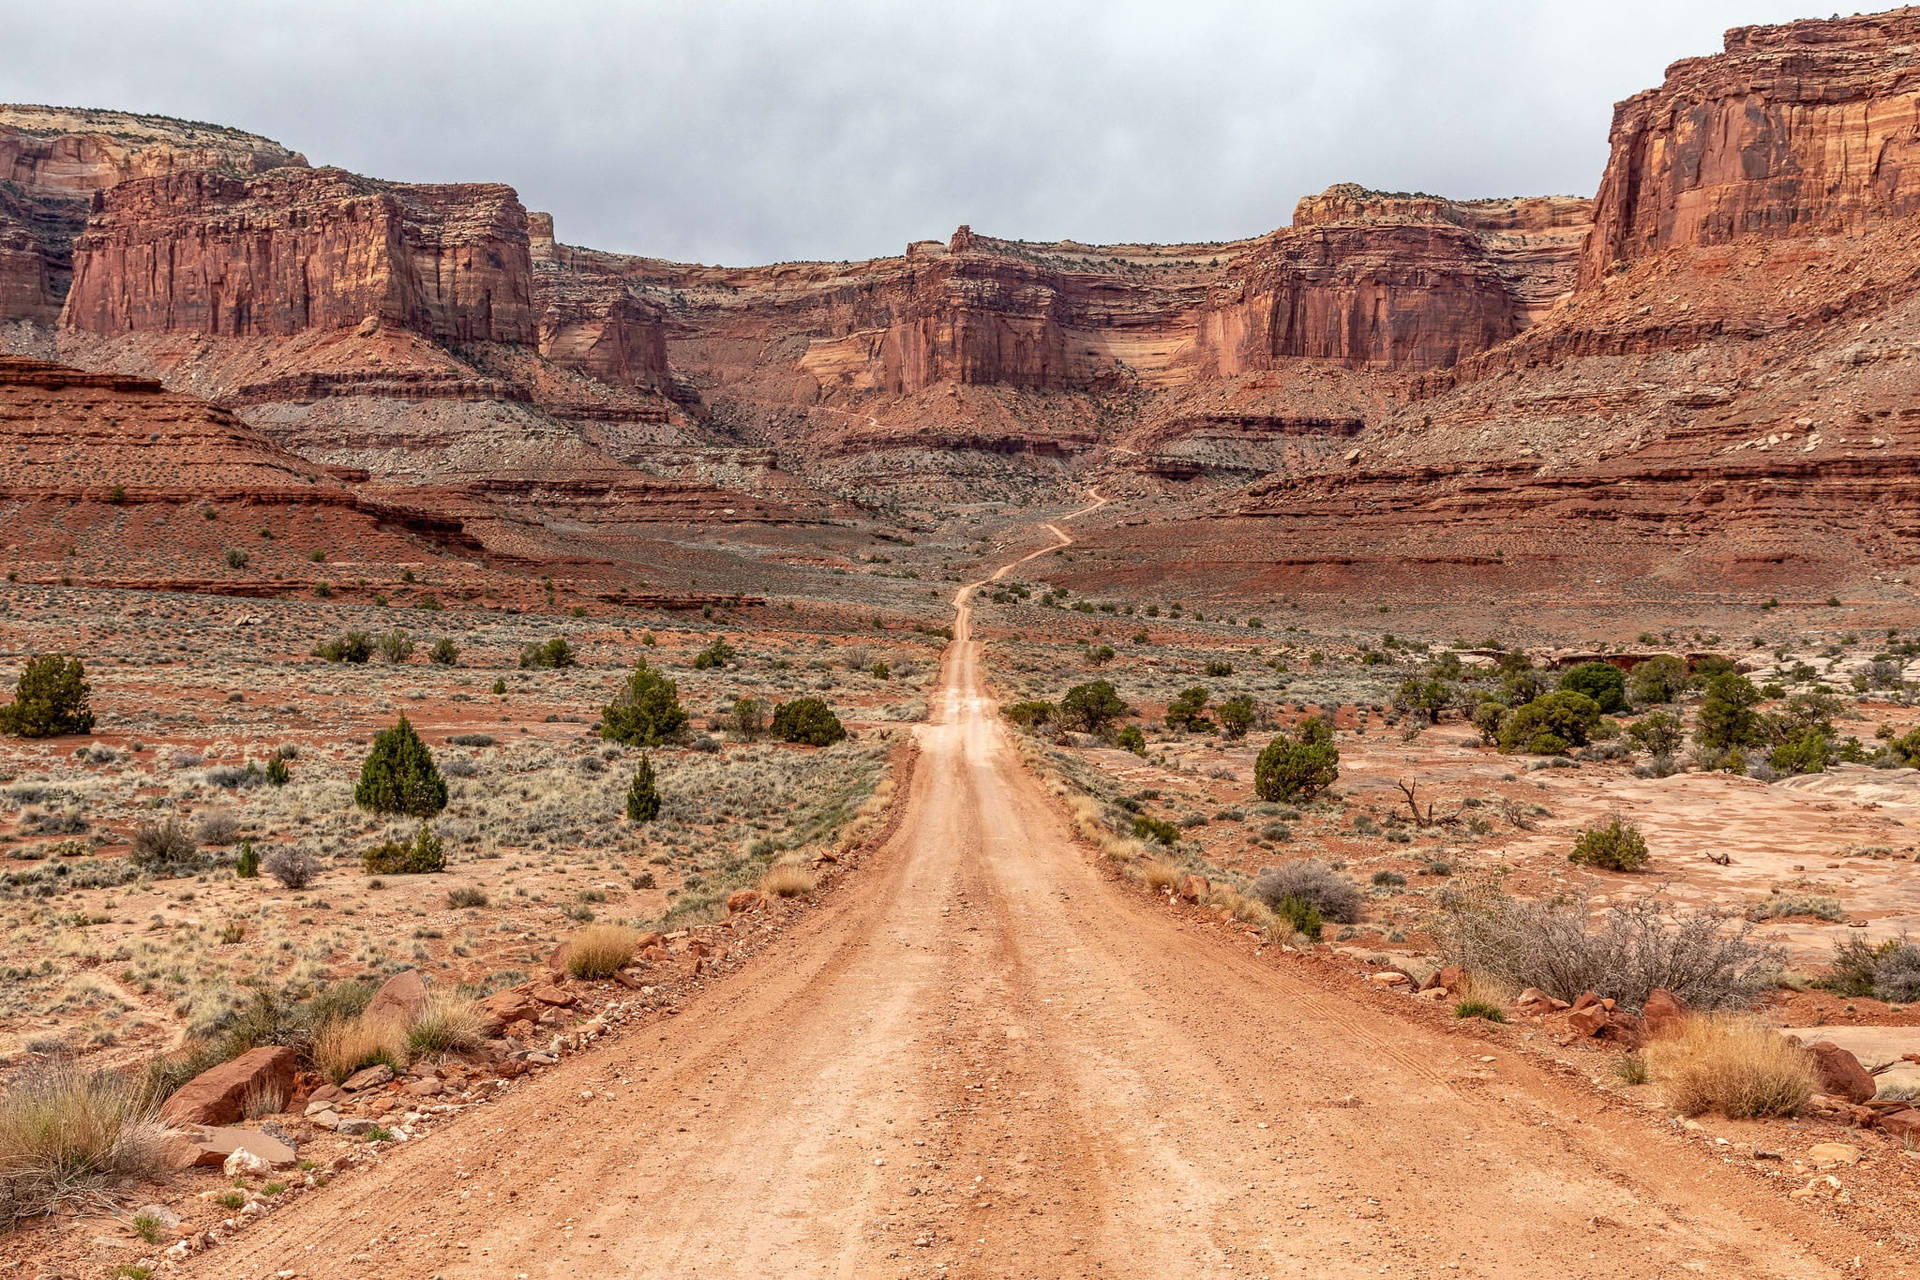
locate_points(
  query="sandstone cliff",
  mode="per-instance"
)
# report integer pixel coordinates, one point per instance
(299, 249)
(1796, 129)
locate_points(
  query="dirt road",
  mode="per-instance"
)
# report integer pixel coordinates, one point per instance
(980, 1058)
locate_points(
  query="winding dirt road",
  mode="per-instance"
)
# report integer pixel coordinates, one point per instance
(979, 1057)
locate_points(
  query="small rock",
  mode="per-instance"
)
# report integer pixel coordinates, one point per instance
(244, 1162)
(368, 1078)
(1827, 1155)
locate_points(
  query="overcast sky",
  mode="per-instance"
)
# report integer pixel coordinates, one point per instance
(740, 132)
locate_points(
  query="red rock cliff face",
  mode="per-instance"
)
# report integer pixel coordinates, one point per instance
(1808, 127)
(52, 161)
(303, 249)
(590, 319)
(1406, 283)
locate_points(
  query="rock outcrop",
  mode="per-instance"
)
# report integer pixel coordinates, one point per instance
(298, 249)
(1808, 127)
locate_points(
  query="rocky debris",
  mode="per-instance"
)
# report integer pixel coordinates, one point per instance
(547, 994)
(221, 1095)
(1193, 888)
(1535, 1001)
(1902, 1126)
(744, 900)
(1448, 977)
(399, 999)
(1838, 1073)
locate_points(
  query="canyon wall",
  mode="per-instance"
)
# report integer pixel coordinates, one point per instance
(1796, 129)
(300, 249)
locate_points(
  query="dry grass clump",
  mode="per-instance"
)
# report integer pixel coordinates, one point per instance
(449, 1024)
(345, 1045)
(787, 880)
(600, 950)
(1731, 1064)
(1160, 875)
(67, 1135)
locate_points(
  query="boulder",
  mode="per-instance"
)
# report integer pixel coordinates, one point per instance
(1903, 1126)
(399, 999)
(1193, 888)
(220, 1095)
(1586, 1000)
(557, 959)
(742, 900)
(1663, 1012)
(1587, 1021)
(368, 1078)
(1837, 1072)
(1534, 1000)
(1450, 976)
(548, 994)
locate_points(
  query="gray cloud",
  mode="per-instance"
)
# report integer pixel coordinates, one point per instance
(739, 131)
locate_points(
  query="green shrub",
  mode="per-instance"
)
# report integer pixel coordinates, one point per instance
(396, 646)
(1031, 714)
(1808, 753)
(807, 721)
(1482, 1009)
(1130, 738)
(643, 796)
(52, 697)
(1727, 719)
(1303, 916)
(277, 772)
(1605, 683)
(1236, 716)
(1661, 678)
(354, 646)
(1615, 845)
(445, 653)
(749, 718)
(1146, 827)
(646, 712)
(1092, 706)
(1550, 724)
(554, 655)
(1188, 710)
(247, 865)
(1658, 733)
(1423, 698)
(1298, 766)
(399, 775)
(423, 855)
(717, 654)
(1487, 718)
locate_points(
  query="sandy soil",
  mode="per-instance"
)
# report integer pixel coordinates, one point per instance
(987, 1059)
